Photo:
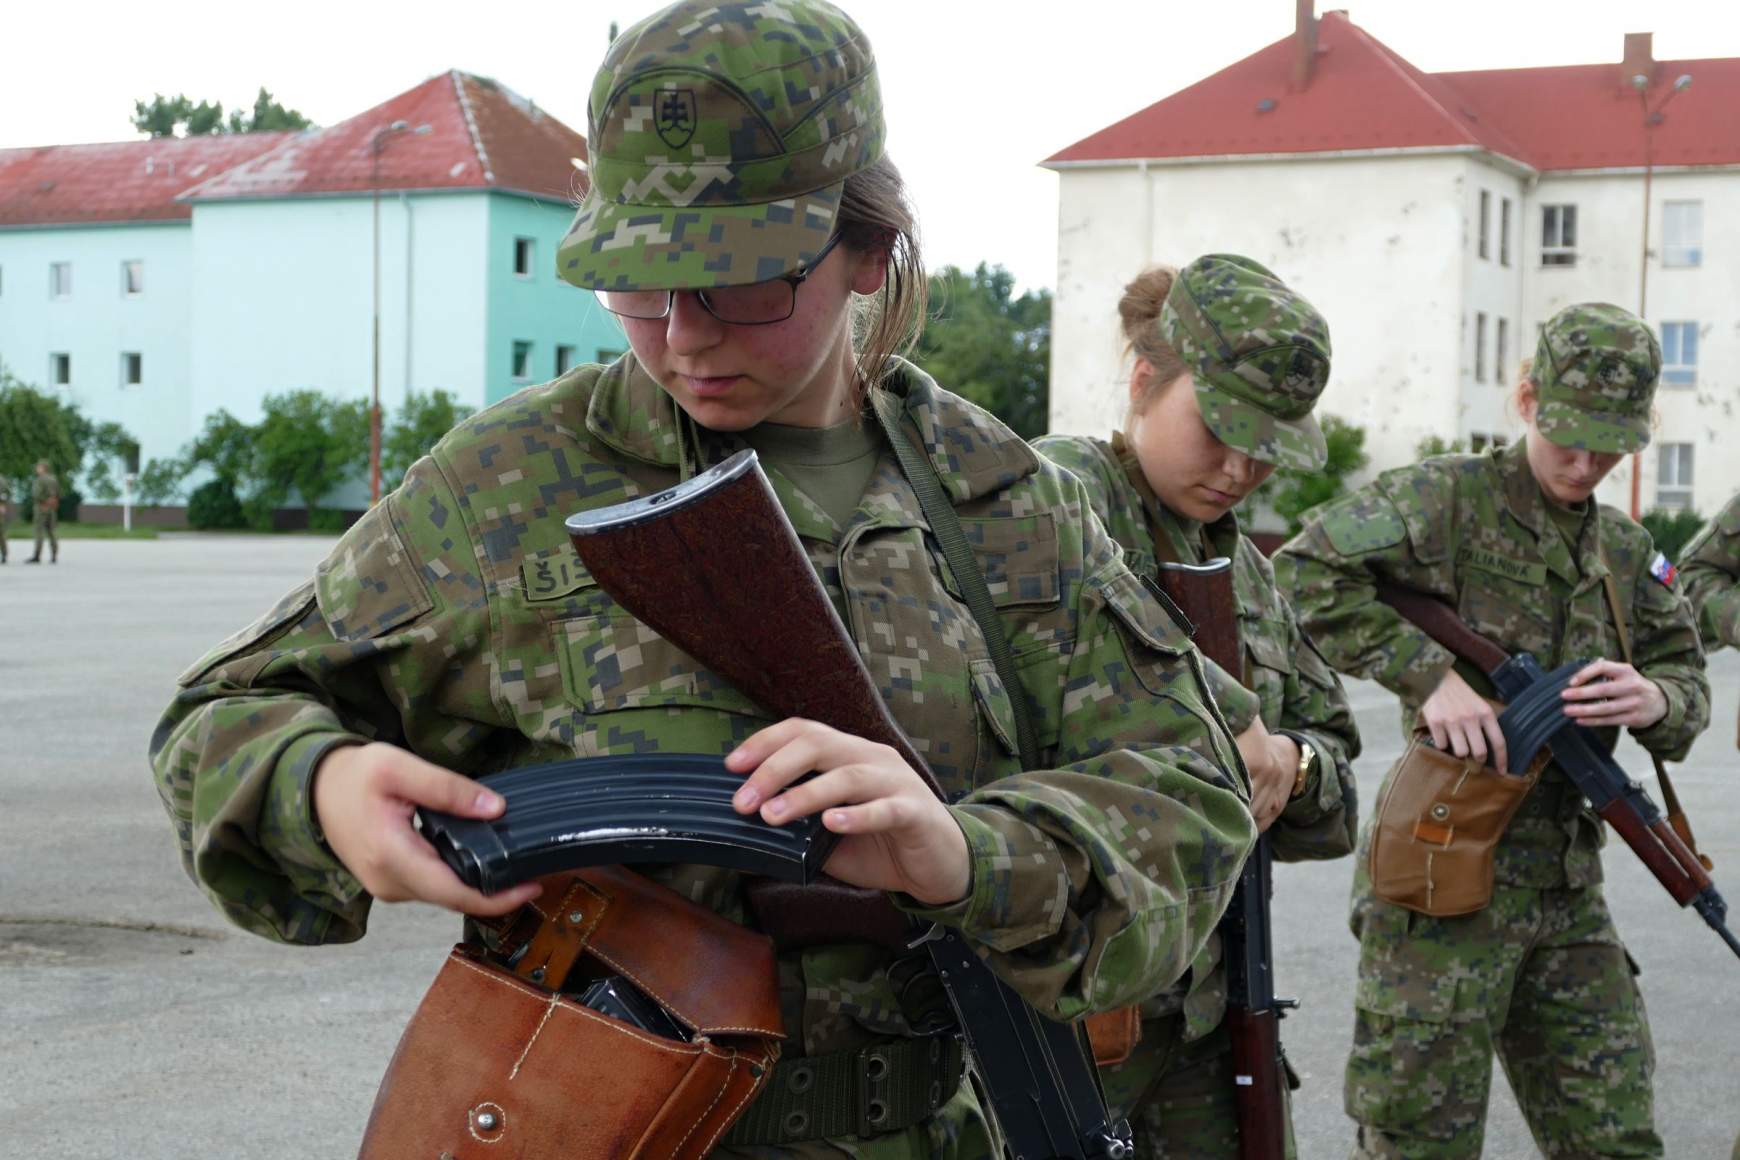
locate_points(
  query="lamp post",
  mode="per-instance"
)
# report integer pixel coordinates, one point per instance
(1651, 118)
(377, 143)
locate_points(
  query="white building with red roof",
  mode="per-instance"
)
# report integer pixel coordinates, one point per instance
(152, 282)
(1436, 220)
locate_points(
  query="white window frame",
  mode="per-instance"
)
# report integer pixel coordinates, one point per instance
(525, 248)
(520, 361)
(1504, 231)
(128, 265)
(59, 280)
(1480, 346)
(1674, 467)
(1682, 233)
(1483, 242)
(567, 358)
(60, 368)
(1555, 251)
(132, 368)
(1676, 369)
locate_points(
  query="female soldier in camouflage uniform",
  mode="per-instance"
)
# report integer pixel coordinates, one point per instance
(1205, 427)
(1514, 541)
(452, 632)
(1710, 569)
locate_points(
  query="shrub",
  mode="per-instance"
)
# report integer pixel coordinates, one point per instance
(1672, 530)
(213, 504)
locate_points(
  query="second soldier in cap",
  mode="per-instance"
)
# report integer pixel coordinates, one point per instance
(1516, 541)
(1227, 364)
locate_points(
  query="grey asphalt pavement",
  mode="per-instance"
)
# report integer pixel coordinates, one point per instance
(134, 1023)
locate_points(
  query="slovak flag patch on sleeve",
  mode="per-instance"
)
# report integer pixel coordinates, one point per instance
(1663, 569)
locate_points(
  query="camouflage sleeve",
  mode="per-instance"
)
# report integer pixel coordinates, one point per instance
(235, 754)
(1710, 571)
(1665, 648)
(1097, 882)
(1323, 821)
(1329, 573)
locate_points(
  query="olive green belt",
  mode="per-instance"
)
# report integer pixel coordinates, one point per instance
(882, 1088)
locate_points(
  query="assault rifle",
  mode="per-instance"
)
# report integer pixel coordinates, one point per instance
(1534, 717)
(714, 566)
(1204, 594)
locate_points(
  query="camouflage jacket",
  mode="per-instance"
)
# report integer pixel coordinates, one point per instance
(455, 620)
(1297, 688)
(44, 489)
(1710, 570)
(1475, 530)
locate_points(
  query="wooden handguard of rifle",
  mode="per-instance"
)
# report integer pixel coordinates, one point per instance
(1204, 594)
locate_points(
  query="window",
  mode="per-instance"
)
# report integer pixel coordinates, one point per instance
(132, 278)
(60, 369)
(1501, 350)
(60, 279)
(608, 355)
(1504, 232)
(1479, 441)
(1480, 347)
(1673, 476)
(1679, 354)
(1558, 235)
(523, 257)
(565, 359)
(1485, 246)
(522, 361)
(1682, 228)
(132, 368)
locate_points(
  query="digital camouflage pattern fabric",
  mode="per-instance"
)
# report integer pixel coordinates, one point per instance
(455, 620)
(1595, 370)
(1475, 530)
(45, 512)
(718, 140)
(1180, 1098)
(1259, 353)
(1710, 575)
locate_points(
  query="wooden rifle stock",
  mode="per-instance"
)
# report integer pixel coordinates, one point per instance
(1204, 593)
(714, 566)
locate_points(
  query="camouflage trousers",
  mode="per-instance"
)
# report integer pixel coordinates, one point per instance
(1179, 1096)
(45, 523)
(1539, 977)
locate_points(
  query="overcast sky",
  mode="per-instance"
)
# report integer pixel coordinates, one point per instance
(977, 92)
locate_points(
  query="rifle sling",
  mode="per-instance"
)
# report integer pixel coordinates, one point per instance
(1676, 813)
(946, 526)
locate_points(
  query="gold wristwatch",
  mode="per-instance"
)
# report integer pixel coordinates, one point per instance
(1307, 762)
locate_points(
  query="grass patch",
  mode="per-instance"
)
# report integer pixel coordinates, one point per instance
(25, 534)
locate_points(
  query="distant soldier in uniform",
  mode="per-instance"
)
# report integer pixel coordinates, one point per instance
(1203, 430)
(1710, 572)
(1514, 540)
(452, 632)
(45, 511)
(5, 513)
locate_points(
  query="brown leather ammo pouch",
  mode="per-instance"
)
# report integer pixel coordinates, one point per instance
(1438, 820)
(503, 1063)
(1113, 1034)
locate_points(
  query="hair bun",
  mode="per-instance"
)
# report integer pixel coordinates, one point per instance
(1143, 297)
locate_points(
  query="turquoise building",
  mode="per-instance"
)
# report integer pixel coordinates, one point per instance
(153, 282)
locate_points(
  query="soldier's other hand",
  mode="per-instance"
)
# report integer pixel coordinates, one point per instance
(1604, 693)
(364, 799)
(897, 835)
(1273, 762)
(1463, 722)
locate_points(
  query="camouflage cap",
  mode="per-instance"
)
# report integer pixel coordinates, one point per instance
(720, 136)
(1594, 372)
(1259, 354)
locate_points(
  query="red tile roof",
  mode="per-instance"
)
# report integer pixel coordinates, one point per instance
(1363, 96)
(117, 182)
(481, 136)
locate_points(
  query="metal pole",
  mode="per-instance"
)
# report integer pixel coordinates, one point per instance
(375, 332)
(1643, 293)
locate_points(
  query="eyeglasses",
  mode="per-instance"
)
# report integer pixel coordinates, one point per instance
(757, 304)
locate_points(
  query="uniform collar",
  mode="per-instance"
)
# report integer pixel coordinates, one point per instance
(1183, 535)
(1528, 506)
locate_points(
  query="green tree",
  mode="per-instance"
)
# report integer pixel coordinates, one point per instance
(33, 426)
(1437, 445)
(306, 444)
(1672, 530)
(1291, 492)
(425, 418)
(163, 116)
(224, 446)
(992, 347)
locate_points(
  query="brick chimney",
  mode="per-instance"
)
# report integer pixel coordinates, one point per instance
(1304, 44)
(1639, 59)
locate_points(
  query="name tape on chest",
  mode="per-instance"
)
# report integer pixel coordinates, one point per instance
(1485, 560)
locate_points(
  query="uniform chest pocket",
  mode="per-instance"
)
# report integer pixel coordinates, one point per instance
(612, 662)
(1268, 663)
(1018, 556)
(1515, 613)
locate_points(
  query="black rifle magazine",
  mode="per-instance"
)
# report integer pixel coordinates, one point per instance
(608, 811)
